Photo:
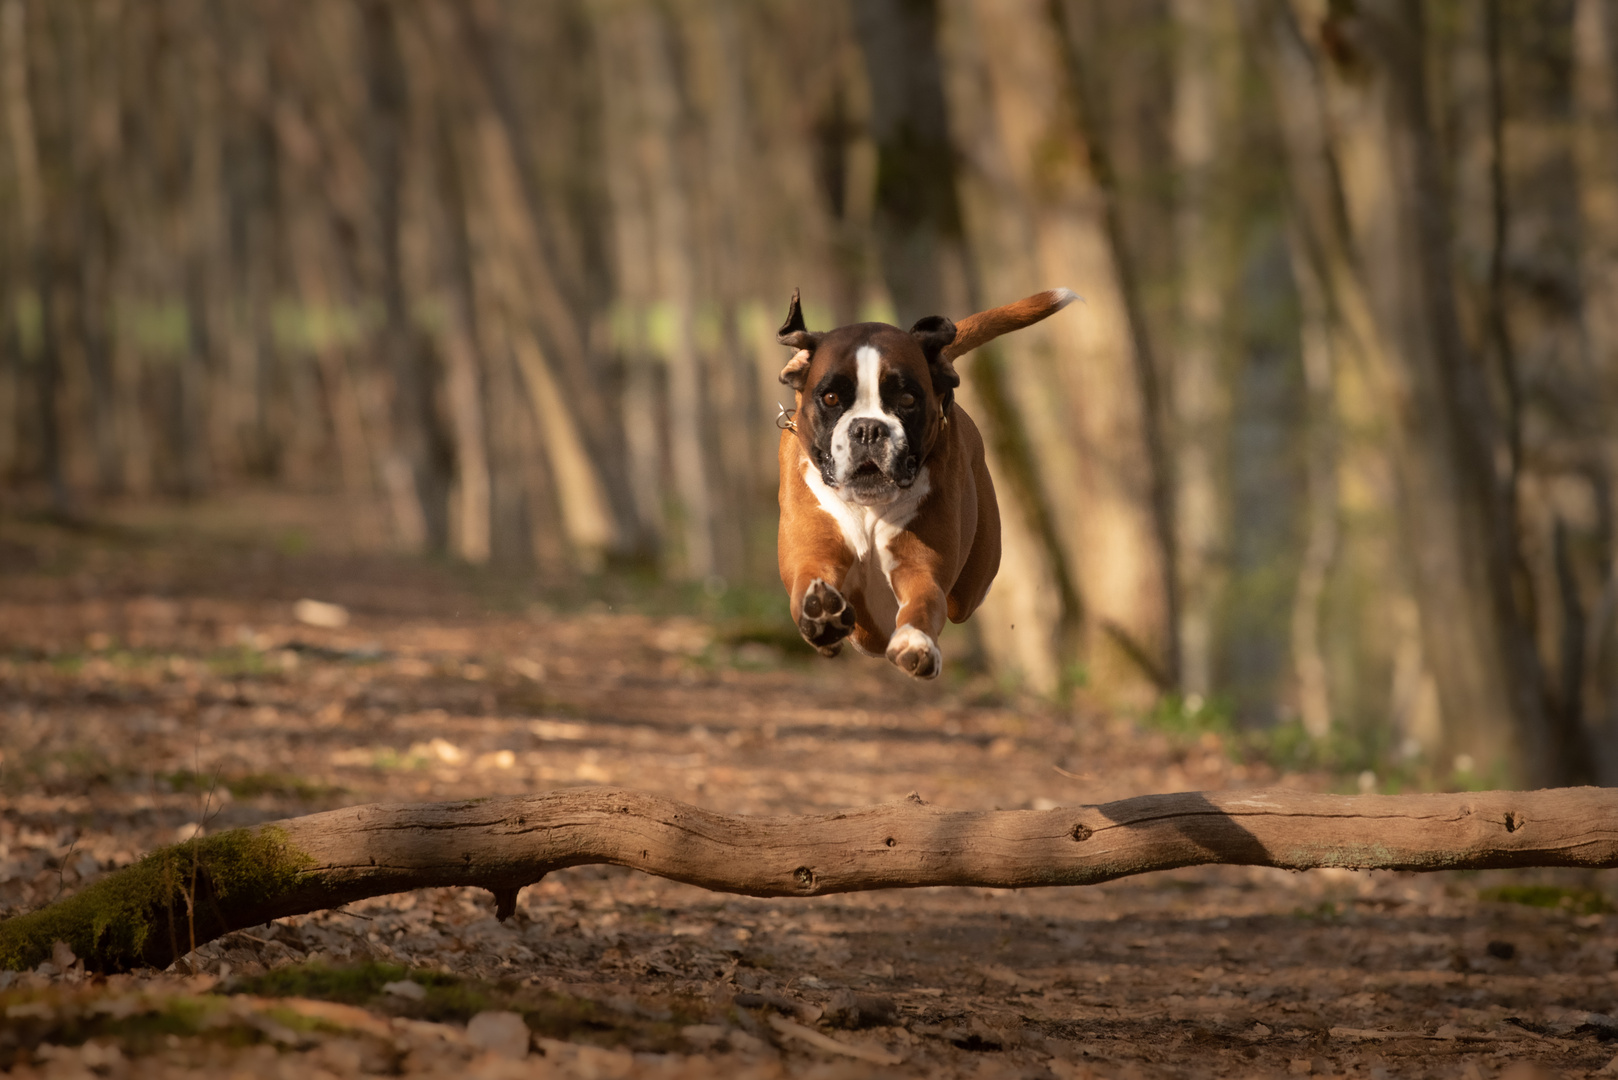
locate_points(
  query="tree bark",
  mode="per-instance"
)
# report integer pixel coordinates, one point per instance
(1368, 568)
(1320, 548)
(250, 876)
(1036, 215)
(559, 313)
(928, 270)
(1457, 514)
(424, 524)
(33, 239)
(917, 218)
(1595, 144)
(656, 111)
(1206, 120)
(1385, 248)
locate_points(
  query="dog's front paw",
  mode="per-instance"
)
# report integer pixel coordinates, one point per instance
(915, 653)
(826, 618)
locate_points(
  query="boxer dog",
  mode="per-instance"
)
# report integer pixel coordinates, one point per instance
(888, 516)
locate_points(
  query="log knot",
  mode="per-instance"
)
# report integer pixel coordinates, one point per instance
(1081, 831)
(805, 877)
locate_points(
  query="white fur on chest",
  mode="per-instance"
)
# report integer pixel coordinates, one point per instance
(869, 532)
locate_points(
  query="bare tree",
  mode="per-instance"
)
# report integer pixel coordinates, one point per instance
(1206, 108)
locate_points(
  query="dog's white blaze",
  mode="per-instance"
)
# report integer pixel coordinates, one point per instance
(869, 532)
(868, 382)
(867, 404)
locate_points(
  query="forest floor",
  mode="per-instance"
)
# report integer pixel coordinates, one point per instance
(154, 681)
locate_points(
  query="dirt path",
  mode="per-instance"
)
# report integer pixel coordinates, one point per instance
(148, 689)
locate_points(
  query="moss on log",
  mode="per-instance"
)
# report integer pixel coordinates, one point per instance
(192, 893)
(150, 912)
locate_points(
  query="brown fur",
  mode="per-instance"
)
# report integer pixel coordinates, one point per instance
(945, 558)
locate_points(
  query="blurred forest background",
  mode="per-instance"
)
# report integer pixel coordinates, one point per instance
(1329, 448)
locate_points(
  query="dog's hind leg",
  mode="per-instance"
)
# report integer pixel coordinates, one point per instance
(983, 558)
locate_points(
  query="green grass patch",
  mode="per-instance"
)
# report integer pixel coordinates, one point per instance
(250, 786)
(1190, 716)
(143, 1024)
(777, 632)
(67, 663)
(449, 998)
(388, 759)
(242, 662)
(650, 1028)
(1326, 911)
(1580, 901)
(1355, 757)
(140, 1028)
(292, 543)
(562, 1016)
(456, 1001)
(350, 984)
(75, 766)
(642, 589)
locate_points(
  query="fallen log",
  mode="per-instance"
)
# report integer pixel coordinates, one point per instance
(182, 896)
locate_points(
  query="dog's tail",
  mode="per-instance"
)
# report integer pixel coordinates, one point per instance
(985, 326)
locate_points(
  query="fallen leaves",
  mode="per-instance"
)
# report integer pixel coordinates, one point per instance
(200, 702)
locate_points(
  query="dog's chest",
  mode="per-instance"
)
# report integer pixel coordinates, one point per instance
(869, 532)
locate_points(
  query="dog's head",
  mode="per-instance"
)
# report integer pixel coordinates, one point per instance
(871, 400)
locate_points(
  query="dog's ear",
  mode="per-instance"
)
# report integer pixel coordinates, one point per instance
(933, 334)
(795, 335)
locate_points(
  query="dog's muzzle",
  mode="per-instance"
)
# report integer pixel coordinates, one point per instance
(880, 467)
(875, 461)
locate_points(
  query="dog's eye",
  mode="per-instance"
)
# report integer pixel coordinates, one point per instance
(906, 400)
(830, 399)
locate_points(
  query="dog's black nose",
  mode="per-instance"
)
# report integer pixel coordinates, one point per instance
(866, 432)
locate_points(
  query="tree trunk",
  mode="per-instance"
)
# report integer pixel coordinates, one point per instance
(586, 514)
(1315, 333)
(1382, 242)
(421, 517)
(11, 458)
(1036, 217)
(1376, 628)
(37, 261)
(140, 915)
(1460, 534)
(1595, 102)
(463, 394)
(1026, 619)
(559, 312)
(96, 143)
(515, 284)
(649, 41)
(917, 216)
(1206, 107)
